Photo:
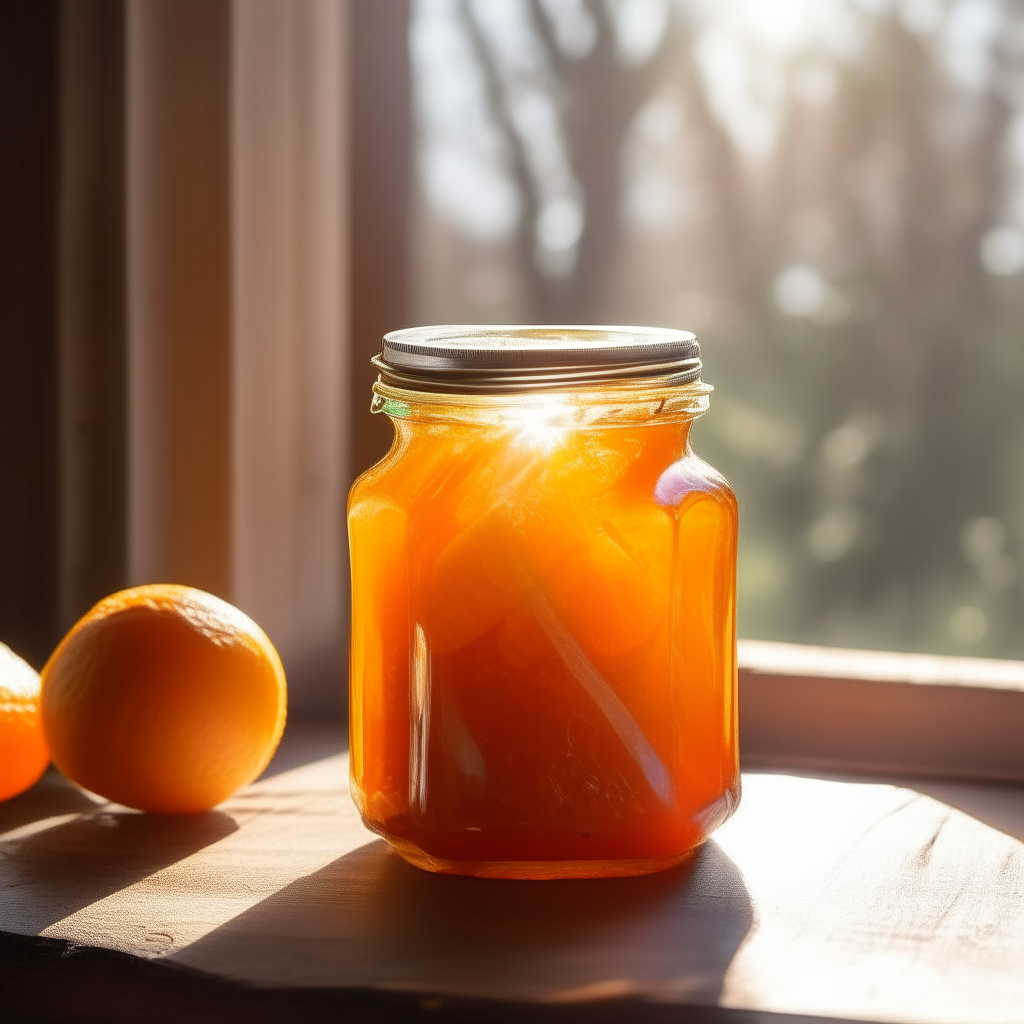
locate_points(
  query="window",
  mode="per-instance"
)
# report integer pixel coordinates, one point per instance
(831, 194)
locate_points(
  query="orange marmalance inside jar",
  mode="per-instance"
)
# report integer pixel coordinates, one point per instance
(543, 666)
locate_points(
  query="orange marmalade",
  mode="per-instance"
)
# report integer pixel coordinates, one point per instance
(543, 667)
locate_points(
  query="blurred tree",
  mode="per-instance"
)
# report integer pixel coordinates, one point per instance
(832, 193)
(563, 101)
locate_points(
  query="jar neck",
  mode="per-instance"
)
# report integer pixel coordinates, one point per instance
(636, 403)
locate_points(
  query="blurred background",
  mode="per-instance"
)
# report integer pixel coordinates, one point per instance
(831, 194)
(210, 210)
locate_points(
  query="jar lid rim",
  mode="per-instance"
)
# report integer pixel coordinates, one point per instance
(482, 358)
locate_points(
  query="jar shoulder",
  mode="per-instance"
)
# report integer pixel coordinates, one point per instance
(409, 467)
(372, 482)
(692, 475)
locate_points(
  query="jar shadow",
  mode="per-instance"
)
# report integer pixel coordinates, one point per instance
(370, 920)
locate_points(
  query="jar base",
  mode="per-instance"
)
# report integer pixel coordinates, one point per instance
(538, 870)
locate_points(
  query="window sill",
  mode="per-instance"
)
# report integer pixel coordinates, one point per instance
(867, 712)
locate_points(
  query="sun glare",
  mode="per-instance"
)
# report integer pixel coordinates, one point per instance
(781, 25)
(790, 26)
(538, 427)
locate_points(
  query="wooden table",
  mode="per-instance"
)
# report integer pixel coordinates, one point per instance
(871, 900)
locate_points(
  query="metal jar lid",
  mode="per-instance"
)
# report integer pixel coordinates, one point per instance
(468, 359)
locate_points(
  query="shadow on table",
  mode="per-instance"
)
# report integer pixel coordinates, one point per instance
(998, 805)
(57, 871)
(51, 797)
(370, 920)
(306, 740)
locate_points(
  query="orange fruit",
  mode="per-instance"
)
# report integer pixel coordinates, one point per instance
(23, 752)
(164, 698)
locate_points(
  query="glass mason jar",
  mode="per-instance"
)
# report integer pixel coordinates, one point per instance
(543, 647)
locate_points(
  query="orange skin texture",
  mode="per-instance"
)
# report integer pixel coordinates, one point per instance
(24, 754)
(164, 698)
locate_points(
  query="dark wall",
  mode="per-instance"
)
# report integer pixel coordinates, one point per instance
(29, 612)
(62, 316)
(93, 304)
(380, 203)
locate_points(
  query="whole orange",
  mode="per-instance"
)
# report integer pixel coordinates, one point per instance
(164, 698)
(23, 752)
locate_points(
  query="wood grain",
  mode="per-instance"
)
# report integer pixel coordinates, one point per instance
(843, 899)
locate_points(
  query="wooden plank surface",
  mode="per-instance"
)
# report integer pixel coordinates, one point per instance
(857, 900)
